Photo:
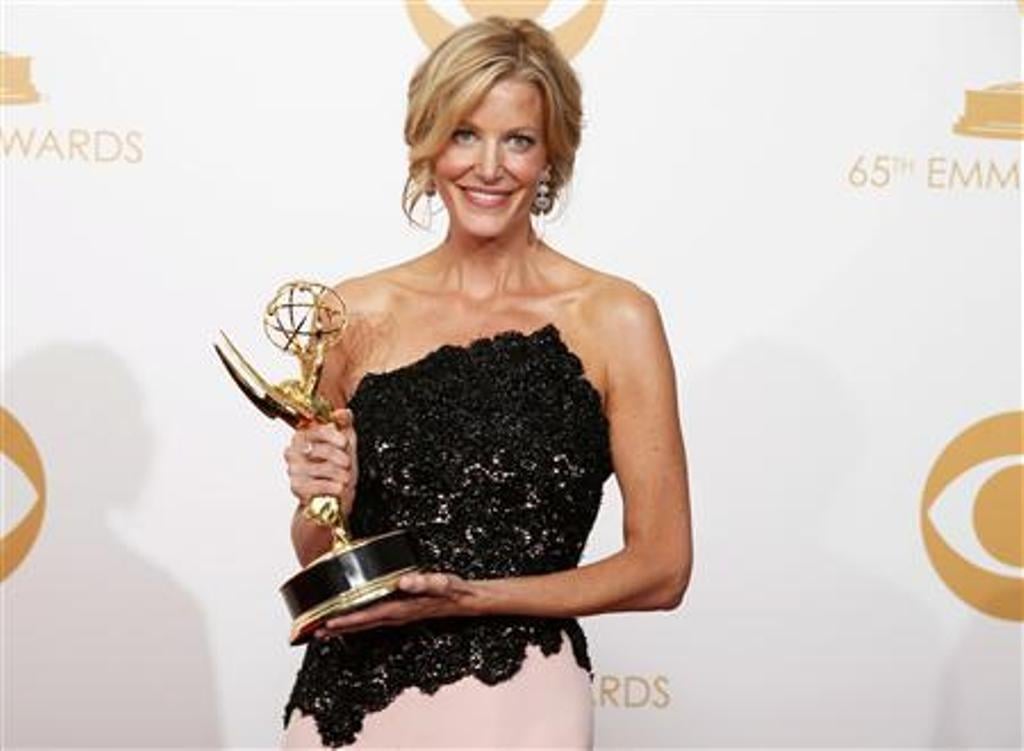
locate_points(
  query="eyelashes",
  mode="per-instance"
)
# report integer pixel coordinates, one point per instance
(525, 141)
(519, 141)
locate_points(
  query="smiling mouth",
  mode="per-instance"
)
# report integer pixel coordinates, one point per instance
(485, 198)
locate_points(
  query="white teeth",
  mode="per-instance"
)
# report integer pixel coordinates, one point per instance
(486, 199)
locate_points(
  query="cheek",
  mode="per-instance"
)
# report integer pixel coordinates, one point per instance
(526, 168)
(452, 164)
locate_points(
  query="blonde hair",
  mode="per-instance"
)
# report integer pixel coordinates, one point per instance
(456, 77)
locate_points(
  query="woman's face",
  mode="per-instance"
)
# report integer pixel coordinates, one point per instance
(487, 174)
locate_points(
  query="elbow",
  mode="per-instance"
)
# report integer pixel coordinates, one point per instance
(663, 580)
(677, 582)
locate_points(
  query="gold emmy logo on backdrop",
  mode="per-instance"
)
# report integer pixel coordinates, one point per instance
(996, 111)
(571, 35)
(998, 515)
(631, 691)
(16, 444)
(306, 319)
(16, 80)
(36, 142)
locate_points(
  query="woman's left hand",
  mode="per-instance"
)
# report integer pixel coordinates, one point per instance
(421, 595)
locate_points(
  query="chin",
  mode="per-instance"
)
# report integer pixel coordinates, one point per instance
(484, 229)
(487, 227)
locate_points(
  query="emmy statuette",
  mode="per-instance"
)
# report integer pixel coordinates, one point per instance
(306, 319)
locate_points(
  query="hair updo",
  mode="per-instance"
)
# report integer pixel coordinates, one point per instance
(459, 73)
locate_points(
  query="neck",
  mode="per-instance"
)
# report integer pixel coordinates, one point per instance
(481, 269)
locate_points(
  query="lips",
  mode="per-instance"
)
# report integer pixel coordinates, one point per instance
(486, 198)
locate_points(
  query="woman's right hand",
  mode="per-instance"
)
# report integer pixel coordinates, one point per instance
(322, 460)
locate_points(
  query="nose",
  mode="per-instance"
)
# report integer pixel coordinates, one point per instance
(488, 163)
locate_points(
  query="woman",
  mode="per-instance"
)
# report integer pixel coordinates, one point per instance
(493, 398)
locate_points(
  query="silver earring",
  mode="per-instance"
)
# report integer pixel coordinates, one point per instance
(433, 209)
(542, 201)
(430, 211)
(429, 188)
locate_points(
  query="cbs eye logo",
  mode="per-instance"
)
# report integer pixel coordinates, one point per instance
(571, 35)
(983, 464)
(17, 448)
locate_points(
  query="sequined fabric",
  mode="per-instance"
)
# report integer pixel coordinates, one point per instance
(493, 455)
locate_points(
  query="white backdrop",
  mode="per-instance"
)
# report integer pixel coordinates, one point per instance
(831, 338)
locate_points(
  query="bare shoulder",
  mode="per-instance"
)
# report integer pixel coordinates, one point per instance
(620, 315)
(615, 310)
(370, 296)
(368, 313)
(371, 292)
(617, 306)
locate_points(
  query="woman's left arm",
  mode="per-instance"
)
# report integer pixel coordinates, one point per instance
(652, 571)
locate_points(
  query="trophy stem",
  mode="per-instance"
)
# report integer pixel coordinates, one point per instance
(342, 541)
(326, 511)
(306, 319)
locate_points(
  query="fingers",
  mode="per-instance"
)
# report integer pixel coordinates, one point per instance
(313, 441)
(430, 583)
(381, 614)
(320, 461)
(300, 470)
(342, 421)
(342, 417)
(322, 433)
(307, 489)
(324, 453)
(321, 458)
(393, 612)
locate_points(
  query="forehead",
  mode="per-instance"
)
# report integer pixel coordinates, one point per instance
(510, 103)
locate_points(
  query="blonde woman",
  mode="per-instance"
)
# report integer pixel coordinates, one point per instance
(492, 385)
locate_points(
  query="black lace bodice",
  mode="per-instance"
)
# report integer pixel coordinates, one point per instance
(493, 455)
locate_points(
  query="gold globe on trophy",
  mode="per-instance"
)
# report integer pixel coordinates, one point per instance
(306, 319)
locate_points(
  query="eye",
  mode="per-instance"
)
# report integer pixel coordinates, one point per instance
(521, 142)
(463, 135)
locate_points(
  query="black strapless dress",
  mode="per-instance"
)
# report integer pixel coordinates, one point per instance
(493, 455)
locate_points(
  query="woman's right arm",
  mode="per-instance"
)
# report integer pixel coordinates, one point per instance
(330, 466)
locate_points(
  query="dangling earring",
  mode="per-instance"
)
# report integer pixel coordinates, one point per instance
(542, 201)
(430, 190)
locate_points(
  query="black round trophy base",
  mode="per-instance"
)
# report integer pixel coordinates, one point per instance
(346, 579)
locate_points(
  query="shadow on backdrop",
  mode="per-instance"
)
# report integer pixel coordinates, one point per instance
(100, 646)
(982, 687)
(816, 650)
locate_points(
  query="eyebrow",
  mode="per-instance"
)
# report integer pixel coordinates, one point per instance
(516, 129)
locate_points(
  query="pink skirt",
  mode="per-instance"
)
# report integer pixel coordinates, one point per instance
(546, 705)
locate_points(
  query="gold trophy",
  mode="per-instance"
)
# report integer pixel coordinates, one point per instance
(307, 319)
